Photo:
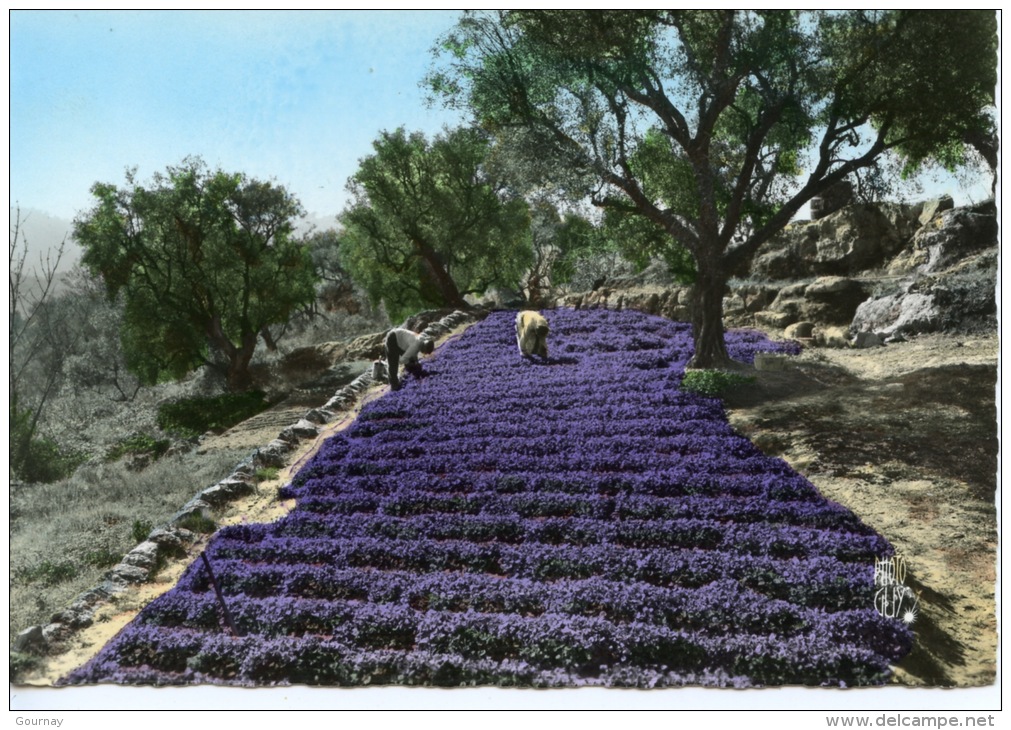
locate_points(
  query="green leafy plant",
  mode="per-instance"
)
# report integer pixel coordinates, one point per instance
(48, 573)
(38, 459)
(190, 417)
(713, 382)
(139, 443)
(140, 530)
(21, 664)
(267, 474)
(198, 523)
(103, 558)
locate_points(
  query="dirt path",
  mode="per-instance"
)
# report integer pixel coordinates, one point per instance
(906, 437)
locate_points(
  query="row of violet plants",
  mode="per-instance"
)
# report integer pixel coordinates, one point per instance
(504, 520)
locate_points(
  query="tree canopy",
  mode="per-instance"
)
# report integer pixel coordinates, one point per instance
(426, 225)
(206, 260)
(717, 126)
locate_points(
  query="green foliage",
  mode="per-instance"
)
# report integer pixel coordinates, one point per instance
(103, 558)
(22, 664)
(927, 80)
(716, 126)
(267, 473)
(190, 417)
(140, 530)
(34, 458)
(48, 573)
(640, 240)
(713, 382)
(206, 260)
(426, 225)
(138, 443)
(196, 522)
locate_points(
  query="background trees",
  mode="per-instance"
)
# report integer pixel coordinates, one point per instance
(41, 336)
(427, 227)
(718, 126)
(205, 260)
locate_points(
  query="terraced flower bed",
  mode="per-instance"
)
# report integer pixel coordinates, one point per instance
(510, 521)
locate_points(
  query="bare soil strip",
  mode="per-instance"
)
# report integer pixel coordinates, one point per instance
(905, 436)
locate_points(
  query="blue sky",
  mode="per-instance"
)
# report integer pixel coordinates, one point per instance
(297, 97)
(293, 96)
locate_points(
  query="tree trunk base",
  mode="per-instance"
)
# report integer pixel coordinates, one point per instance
(722, 363)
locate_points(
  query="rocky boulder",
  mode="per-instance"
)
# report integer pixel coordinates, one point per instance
(960, 299)
(829, 300)
(932, 208)
(950, 267)
(852, 240)
(956, 234)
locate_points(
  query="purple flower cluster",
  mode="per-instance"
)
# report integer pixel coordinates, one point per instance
(577, 520)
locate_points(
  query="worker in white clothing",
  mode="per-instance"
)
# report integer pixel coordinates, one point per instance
(404, 346)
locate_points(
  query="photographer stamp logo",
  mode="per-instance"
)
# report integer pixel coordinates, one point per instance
(893, 598)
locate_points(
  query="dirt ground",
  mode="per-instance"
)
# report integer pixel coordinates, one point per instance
(906, 437)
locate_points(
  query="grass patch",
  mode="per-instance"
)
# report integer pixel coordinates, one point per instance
(190, 417)
(713, 382)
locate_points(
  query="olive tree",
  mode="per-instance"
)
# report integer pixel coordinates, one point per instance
(717, 126)
(206, 261)
(427, 226)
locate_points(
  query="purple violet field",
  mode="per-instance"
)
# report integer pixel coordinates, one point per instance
(509, 521)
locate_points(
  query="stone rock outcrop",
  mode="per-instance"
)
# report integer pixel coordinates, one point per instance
(367, 347)
(950, 269)
(830, 300)
(954, 235)
(963, 298)
(799, 331)
(932, 208)
(852, 240)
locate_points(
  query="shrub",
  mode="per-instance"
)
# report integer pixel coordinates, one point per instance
(48, 573)
(21, 664)
(140, 530)
(37, 459)
(190, 417)
(102, 558)
(713, 382)
(139, 443)
(196, 522)
(267, 474)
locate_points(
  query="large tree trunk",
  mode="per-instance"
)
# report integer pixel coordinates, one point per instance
(239, 377)
(438, 276)
(237, 369)
(707, 316)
